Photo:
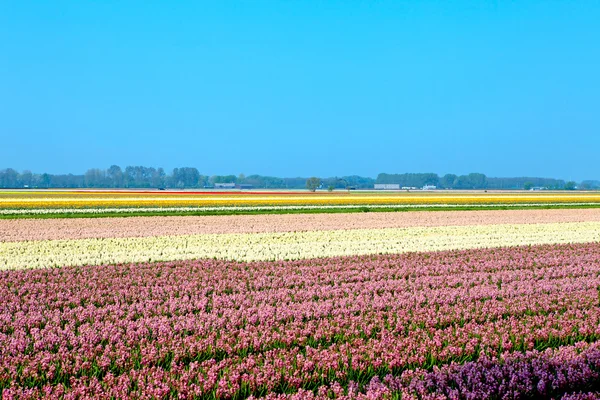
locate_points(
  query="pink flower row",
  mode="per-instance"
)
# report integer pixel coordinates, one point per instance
(204, 328)
(16, 230)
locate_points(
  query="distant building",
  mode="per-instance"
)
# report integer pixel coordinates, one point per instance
(244, 186)
(429, 187)
(409, 188)
(225, 185)
(538, 188)
(387, 186)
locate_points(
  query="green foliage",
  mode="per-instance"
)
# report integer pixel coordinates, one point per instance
(570, 185)
(519, 183)
(223, 179)
(416, 180)
(313, 183)
(190, 178)
(448, 181)
(185, 177)
(590, 185)
(299, 211)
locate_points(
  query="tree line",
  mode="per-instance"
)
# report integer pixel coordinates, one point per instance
(480, 181)
(140, 177)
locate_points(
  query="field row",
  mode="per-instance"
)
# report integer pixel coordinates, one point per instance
(519, 320)
(82, 200)
(288, 245)
(96, 213)
(80, 228)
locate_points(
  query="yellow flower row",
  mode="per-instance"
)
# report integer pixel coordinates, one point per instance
(62, 200)
(288, 245)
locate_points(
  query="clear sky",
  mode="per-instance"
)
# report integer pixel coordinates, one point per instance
(287, 88)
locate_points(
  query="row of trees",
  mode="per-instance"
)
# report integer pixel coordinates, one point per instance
(139, 177)
(189, 177)
(480, 181)
(448, 181)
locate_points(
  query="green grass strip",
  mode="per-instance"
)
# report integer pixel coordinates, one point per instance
(289, 211)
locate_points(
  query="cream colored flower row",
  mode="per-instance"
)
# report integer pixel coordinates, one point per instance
(22, 229)
(288, 245)
(129, 210)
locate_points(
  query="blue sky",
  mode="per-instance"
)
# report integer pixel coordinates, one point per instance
(303, 88)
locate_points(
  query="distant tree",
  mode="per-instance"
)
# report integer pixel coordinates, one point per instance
(330, 188)
(297, 182)
(202, 180)
(114, 174)
(129, 176)
(570, 185)
(358, 181)
(462, 182)
(185, 177)
(477, 181)
(313, 183)
(527, 185)
(519, 183)
(159, 178)
(9, 178)
(411, 179)
(26, 178)
(273, 182)
(94, 177)
(591, 184)
(46, 179)
(223, 179)
(448, 181)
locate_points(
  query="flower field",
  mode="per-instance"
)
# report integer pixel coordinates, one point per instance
(13, 230)
(512, 322)
(388, 305)
(127, 202)
(287, 245)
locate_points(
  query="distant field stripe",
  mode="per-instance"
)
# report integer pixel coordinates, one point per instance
(288, 245)
(12, 230)
(281, 208)
(109, 200)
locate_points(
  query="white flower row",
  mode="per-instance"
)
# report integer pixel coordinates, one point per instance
(126, 210)
(288, 245)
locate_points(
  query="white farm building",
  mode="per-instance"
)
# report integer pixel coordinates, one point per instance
(387, 186)
(230, 185)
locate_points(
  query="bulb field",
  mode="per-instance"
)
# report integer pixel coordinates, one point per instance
(98, 203)
(446, 304)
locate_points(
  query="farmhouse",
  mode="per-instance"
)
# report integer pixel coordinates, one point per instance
(244, 186)
(225, 185)
(387, 186)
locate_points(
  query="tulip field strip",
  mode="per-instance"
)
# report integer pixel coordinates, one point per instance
(266, 210)
(521, 322)
(51, 204)
(288, 245)
(463, 295)
(12, 230)
(140, 199)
